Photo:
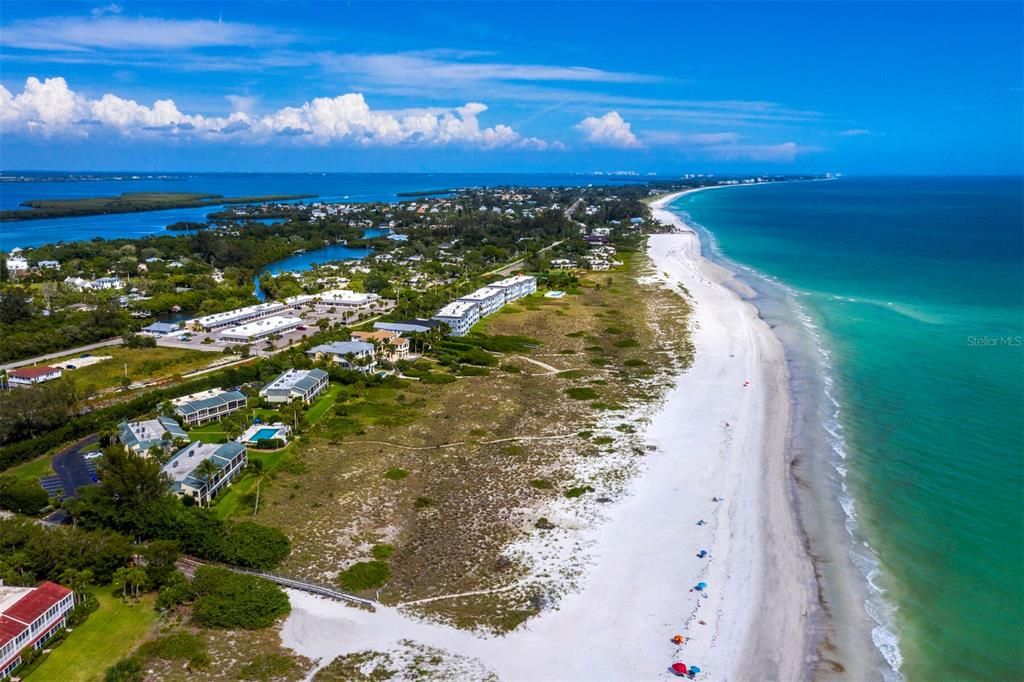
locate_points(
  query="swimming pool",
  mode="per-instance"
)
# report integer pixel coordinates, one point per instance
(264, 434)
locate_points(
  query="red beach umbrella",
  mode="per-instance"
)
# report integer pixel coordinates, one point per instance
(679, 669)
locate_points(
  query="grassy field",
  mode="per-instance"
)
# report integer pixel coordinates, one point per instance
(35, 468)
(483, 451)
(110, 634)
(143, 364)
(240, 497)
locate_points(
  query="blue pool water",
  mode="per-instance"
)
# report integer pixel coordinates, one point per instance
(264, 434)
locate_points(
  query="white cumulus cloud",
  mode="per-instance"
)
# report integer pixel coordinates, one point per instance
(610, 130)
(50, 107)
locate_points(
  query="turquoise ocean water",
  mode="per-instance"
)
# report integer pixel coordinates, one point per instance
(912, 291)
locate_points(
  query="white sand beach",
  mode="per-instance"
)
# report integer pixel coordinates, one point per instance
(721, 432)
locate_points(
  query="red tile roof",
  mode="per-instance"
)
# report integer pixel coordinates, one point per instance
(32, 372)
(9, 629)
(37, 602)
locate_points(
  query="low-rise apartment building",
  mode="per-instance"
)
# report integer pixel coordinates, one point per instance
(490, 299)
(229, 459)
(207, 406)
(460, 316)
(29, 616)
(140, 436)
(304, 384)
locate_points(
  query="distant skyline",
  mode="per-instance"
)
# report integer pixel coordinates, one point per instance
(513, 87)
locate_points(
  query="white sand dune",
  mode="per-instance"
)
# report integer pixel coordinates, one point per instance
(717, 436)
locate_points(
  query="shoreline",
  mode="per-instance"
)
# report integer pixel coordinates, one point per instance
(712, 436)
(855, 637)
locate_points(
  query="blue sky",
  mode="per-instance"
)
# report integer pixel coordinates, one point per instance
(430, 86)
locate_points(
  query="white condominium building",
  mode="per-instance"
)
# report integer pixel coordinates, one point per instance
(459, 315)
(516, 287)
(490, 299)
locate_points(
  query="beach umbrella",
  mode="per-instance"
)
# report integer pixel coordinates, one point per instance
(694, 670)
(701, 586)
(679, 668)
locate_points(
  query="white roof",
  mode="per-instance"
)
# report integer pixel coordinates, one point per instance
(267, 324)
(482, 294)
(512, 281)
(346, 296)
(209, 320)
(458, 308)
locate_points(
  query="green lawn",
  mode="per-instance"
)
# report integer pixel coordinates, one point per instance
(111, 633)
(36, 468)
(234, 500)
(209, 433)
(322, 404)
(142, 364)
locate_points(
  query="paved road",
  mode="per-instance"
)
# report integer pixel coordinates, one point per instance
(512, 267)
(70, 466)
(59, 354)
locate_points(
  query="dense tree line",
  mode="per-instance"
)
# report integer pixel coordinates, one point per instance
(133, 498)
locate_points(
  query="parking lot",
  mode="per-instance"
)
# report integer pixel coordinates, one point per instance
(214, 341)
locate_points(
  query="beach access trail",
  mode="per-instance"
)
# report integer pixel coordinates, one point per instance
(720, 433)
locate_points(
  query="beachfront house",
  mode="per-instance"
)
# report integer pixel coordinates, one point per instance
(140, 436)
(200, 408)
(29, 617)
(390, 345)
(301, 384)
(357, 355)
(187, 473)
(30, 376)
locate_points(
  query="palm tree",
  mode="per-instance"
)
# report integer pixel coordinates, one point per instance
(206, 471)
(78, 581)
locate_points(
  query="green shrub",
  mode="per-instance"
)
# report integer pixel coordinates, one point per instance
(365, 575)
(422, 502)
(396, 473)
(581, 393)
(125, 670)
(578, 491)
(544, 524)
(634, 362)
(226, 599)
(626, 343)
(177, 590)
(382, 552)
(80, 613)
(541, 484)
(511, 369)
(476, 356)
(265, 667)
(603, 440)
(177, 646)
(254, 546)
(437, 378)
(22, 496)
